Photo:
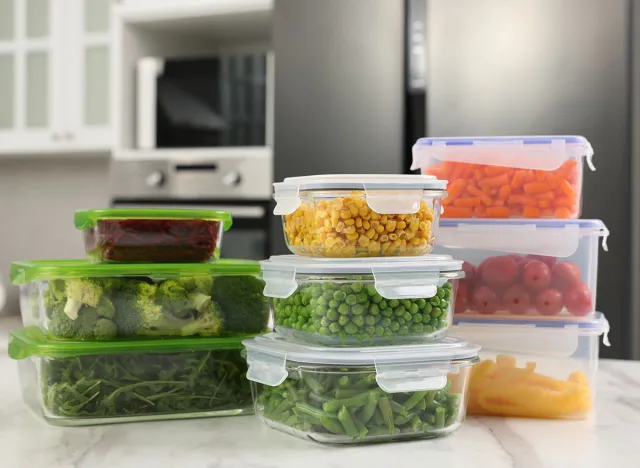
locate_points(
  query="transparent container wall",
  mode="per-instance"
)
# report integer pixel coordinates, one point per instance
(87, 390)
(346, 406)
(154, 240)
(342, 224)
(485, 191)
(512, 381)
(502, 284)
(349, 311)
(125, 307)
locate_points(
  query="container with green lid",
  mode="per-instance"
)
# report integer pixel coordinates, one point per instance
(152, 235)
(79, 300)
(73, 383)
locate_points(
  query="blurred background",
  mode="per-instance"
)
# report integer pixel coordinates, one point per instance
(207, 102)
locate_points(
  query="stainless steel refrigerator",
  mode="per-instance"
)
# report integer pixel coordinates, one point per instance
(358, 80)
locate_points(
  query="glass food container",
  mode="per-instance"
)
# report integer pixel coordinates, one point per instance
(373, 301)
(535, 369)
(360, 395)
(75, 383)
(507, 177)
(359, 215)
(75, 299)
(522, 268)
(150, 235)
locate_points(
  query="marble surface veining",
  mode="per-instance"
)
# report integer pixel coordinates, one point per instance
(611, 438)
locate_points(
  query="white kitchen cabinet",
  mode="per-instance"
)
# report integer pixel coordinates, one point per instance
(54, 76)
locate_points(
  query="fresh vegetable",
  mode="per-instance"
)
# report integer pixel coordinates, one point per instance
(104, 308)
(312, 401)
(484, 191)
(516, 299)
(354, 312)
(578, 300)
(499, 271)
(485, 300)
(140, 384)
(565, 276)
(154, 240)
(549, 302)
(500, 388)
(347, 227)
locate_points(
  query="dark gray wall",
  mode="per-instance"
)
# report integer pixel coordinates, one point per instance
(338, 88)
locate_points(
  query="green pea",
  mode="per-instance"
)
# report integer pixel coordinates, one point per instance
(385, 322)
(339, 296)
(403, 330)
(417, 328)
(414, 309)
(371, 290)
(351, 299)
(407, 316)
(399, 311)
(394, 325)
(323, 301)
(304, 327)
(383, 304)
(427, 308)
(377, 299)
(434, 322)
(324, 331)
(334, 304)
(357, 287)
(401, 321)
(328, 295)
(447, 285)
(421, 303)
(313, 302)
(320, 311)
(362, 297)
(357, 309)
(435, 300)
(440, 293)
(429, 329)
(316, 291)
(351, 328)
(343, 309)
(447, 294)
(334, 327)
(327, 286)
(417, 318)
(393, 303)
(387, 312)
(358, 320)
(345, 288)
(374, 309)
(305, 300)
(406, 303)
(379, 330)
(325, 322)
(343, 320)
(436, 312)
(370, 320)
(442, 323)
(370, 330)
(333, 314)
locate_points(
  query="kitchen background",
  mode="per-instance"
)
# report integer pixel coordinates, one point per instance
(302, 87)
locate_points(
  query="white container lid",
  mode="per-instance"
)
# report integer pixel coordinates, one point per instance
(557, 338)
(394, 277)
(550, 237)
(385, 193)
(405, 368)
(545, 153)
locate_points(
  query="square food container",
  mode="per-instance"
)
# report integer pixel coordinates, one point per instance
(372, 301)
(507, 177)
(521, 268)
(359, 215)
(75, 383)
(152, 235)
(360, 395)
(535, 369)
(75, 299)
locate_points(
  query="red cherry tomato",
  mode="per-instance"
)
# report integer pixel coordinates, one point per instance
(565, 276)
(469, 271)
(549, 302)
(516, 299)
(516, 257)
(549, 261)
(499, 271)
(463, 297)
(536, 275)
(578, 300)
(485, 301)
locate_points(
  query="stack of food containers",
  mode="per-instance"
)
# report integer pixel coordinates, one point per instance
(528, 297)
(361, 313)
(150, 328)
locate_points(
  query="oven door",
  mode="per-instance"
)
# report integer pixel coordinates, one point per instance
(248, 238)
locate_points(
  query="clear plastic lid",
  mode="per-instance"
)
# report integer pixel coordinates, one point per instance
(385, 193)
(88, 218)
(394, 278)
(526, 152)
(550, 237)
(546, 337)
(403, 368)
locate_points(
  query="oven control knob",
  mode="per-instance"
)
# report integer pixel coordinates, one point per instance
(156, 179)
(232, 179)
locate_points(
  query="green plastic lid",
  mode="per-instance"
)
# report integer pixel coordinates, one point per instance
(31, 341)
(24, 272)
(88, 218)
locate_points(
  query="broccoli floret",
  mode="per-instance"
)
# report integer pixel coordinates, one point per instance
(208, 323)
(201, 284)
(105, 329)
(57, 289)
(105, 308)
(85, 323)
(172, 296)
(82, 291)
(132, 297)
(244, 307)
(60, 325)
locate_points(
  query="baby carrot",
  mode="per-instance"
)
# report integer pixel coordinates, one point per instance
(496, 181)
(467, 202)
(498, 212)
(545, 196)
(504, 191)
(541, 176)
(456, 171)
(536, 187)
(522, 200)
(484, 198)
(531, 212)
(562, 212)
(566, 187)
(547, 213)
(480, 211)
(478, 174)
(565, 202)
(499, 202)
(496, 170)
(454, 190)
(457, 212)
(531, 177)
(518, 178)
(544, 203)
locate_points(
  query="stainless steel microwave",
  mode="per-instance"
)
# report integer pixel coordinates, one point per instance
(218, 101)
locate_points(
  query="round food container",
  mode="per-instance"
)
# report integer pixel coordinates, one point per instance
(360, 395)
(359, 215)
(152, 235)
(374, 301)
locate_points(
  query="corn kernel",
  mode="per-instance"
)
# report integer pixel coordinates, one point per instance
(330, 242)
(401, 225)
(366, 224)
(349, 251)
(383, 219)
(363, 241)
(370, 233)
(349, 222)
(384, 238)
(352, 236)
(354, 210)
(380, 229)
(390, 226)
(393, 236)
(415, 224)
(340, 227)
(359, 222)
(349, 230)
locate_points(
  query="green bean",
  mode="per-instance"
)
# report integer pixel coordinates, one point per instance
(313, 411)
(313, 384)
(354, 401)
(332, 425)
(343, 393)
(362, 430)
(414, 399)
(307, 417)
(440, 417)
(318, 398)
(387, 412)
(370, 408)
(347, 423)
(283, 406)
(397, 407)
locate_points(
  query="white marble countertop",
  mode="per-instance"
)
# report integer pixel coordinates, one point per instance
(611, 438)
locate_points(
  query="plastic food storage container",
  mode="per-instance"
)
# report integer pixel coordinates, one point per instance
(523, 268)
(74, 383)
(345, 302)
(536, 369)
(152, 235)
(507, 177)
(359, 215)
(75, 299)
(360, 395)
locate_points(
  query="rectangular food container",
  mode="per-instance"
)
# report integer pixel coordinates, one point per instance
(359, 215)
(374, 301)
(535, 369)
(76, 383)
(507, 177)
(150, 235)
(360, 395)
(75, 299)
(522, 268)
